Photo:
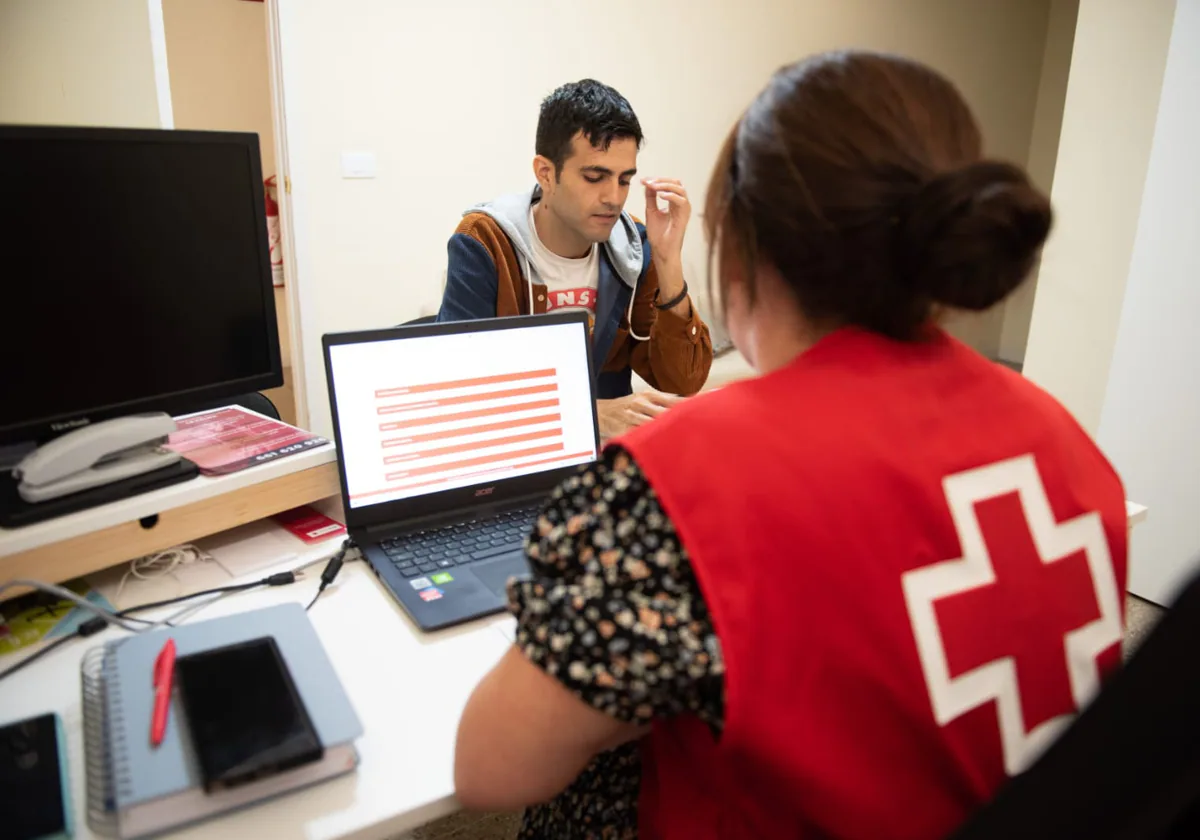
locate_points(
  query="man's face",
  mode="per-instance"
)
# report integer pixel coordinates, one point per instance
(590, 192)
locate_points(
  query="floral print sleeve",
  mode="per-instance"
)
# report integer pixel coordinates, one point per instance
(614, 612)
(613, 609)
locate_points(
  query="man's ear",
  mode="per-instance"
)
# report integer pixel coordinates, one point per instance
(543, 170)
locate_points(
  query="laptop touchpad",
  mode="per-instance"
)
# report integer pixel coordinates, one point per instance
(494, 574)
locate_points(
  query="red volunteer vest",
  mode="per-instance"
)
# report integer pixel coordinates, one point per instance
(915, 561)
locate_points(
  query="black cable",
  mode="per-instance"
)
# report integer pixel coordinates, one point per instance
(277, 579)
(315, 597)
(96, 624)
(29, 660)
(331, 569)
(217, 590)
(88, 628)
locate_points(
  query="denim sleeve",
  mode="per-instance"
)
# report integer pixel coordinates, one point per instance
(471, 281)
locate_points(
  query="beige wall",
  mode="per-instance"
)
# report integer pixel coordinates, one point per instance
(220, 73)
(446, 95)
(1104, 149)
(81, 62)
(1043, 154)
(1152, 400)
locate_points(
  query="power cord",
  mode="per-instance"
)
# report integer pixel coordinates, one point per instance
(88, 628)
(123, 618)
(62, 592)
(164, 562)
(277, 579)
(332, 568)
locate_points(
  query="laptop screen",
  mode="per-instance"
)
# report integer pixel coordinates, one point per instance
(424, 414)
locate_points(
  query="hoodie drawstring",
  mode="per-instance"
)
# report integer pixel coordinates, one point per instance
(628, 315)
(528, 278)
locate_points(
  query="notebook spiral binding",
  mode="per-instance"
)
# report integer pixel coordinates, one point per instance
(98, 742)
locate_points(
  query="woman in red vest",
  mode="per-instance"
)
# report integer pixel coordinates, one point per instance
(852, 596)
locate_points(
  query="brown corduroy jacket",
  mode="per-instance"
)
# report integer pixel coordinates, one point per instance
(485, 279)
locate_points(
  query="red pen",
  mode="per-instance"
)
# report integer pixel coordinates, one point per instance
(164, 672)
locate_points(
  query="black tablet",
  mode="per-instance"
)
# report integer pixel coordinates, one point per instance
(243, 713)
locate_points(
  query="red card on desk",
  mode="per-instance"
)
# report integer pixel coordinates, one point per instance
(309, 525)
(227, 440)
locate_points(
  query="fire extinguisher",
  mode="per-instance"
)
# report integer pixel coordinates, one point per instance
(270, 186)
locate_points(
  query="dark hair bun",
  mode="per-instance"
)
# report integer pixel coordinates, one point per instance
(970, 235)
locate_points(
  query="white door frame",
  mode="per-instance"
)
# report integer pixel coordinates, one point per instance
(289, 224)
(162, 75)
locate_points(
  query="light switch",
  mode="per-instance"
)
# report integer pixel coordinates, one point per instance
(358, 165)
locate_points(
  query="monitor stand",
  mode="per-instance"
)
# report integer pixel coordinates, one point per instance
(94, 465)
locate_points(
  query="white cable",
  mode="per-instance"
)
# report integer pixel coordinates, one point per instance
(528, 280)
(157, 565)
(191, 609)
(629, 317)
(163, 563)
(67, 594)
(168, 561)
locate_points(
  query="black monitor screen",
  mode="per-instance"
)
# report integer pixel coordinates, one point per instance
(135, 273)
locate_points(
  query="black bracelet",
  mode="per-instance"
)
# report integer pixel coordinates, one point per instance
(675, 301)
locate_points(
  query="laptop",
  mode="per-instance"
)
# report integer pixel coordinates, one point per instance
(449, 439)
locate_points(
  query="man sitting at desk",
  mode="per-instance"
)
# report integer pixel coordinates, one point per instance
(568, 244)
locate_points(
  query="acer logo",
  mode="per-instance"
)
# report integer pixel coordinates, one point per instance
(69, 424)
(486, 491)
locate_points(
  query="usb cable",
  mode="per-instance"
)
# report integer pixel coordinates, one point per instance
(331, 569)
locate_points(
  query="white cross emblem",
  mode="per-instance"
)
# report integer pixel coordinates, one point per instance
(997, 680)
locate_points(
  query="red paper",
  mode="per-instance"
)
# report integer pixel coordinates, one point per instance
(227, 440)
(309, 525)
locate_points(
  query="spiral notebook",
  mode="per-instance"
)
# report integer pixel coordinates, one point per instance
(134, 790)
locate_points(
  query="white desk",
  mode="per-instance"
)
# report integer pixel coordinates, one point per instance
(408, 688)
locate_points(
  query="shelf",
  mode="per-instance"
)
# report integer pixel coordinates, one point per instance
(91, 540)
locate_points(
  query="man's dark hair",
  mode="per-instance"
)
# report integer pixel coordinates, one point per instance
(602, 114)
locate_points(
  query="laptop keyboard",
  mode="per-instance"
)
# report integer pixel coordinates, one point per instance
(423, 552)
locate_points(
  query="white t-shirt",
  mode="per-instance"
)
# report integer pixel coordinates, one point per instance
(570, 283)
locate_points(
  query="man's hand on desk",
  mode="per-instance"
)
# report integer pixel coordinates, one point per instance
(624, 413)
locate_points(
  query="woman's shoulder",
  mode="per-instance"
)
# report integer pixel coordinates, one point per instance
(612, 608)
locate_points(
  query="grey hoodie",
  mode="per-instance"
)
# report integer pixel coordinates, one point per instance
(511, 212)
(627, 260)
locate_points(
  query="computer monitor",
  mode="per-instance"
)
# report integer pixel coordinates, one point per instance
(136, 275)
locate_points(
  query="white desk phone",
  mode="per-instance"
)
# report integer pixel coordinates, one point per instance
(95, 455)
